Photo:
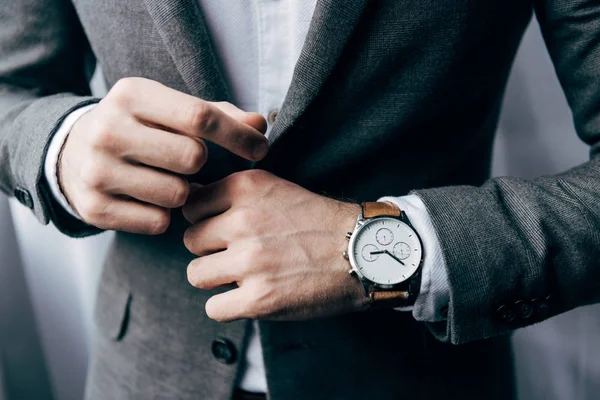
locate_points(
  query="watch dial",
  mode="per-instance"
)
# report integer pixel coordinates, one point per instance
(386, 251)
(384, 236)
(369, 253)
(402, 250)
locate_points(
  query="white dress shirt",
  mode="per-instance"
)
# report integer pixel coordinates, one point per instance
(258, 43)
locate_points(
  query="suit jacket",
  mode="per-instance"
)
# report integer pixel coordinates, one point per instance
(387, 97)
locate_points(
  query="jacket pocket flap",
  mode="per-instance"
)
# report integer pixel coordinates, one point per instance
(112, 312)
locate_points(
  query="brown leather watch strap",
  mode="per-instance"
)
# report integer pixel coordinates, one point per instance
(382, 299)
(388, 299)
(372, 209)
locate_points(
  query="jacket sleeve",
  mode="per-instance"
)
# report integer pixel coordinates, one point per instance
(45, 66)
(519, 251)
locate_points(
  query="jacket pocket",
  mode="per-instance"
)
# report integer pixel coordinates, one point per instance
(112, 312)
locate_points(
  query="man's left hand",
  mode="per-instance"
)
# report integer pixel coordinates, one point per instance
(278, 242)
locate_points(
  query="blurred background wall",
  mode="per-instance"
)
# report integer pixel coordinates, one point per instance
(55, 277)
(23, 372)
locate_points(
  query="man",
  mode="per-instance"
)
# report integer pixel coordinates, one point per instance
(365, 101)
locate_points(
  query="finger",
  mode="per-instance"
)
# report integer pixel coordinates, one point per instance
(148, 185)
(253, 119)
(191, 116)
(208, 236)
(215, 270)
(206, 121)
(157, 148)
(208, 201)
(130, 216)
(229, 306)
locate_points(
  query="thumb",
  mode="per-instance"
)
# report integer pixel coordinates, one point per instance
(253, 119)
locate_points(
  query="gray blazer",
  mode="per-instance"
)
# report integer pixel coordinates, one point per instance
(388, 96)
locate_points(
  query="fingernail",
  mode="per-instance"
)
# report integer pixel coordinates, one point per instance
(261, 150)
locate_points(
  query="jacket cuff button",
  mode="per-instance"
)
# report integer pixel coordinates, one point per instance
(505, 313)
(524, 308)
(24, 197)
(541, 309)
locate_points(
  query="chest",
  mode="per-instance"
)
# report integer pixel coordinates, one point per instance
(126, 41)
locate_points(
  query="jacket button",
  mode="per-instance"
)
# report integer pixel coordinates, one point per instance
(505, 313)
(223, 350)
(24, 197)
(524, 309)
(540, 307)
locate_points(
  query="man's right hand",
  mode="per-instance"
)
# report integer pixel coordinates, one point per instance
(122, 165)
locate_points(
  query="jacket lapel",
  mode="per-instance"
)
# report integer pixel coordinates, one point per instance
(332, 25)
(181, 25)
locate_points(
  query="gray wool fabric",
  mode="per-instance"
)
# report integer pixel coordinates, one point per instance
(388, 97)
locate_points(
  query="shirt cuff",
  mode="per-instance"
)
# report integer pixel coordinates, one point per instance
(51, 162)
(432, 302)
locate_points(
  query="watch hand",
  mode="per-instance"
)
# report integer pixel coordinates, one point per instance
(389, 254)
(394, 257)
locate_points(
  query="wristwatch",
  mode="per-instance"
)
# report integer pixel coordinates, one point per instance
(386, 254)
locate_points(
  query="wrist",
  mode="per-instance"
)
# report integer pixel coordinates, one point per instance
(346, 216)
(54, 154)
(385, 254)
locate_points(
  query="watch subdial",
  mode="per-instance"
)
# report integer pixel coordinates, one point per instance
(402, 250)
(367, 253)
(384, 236)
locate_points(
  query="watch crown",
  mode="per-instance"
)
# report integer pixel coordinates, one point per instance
(345, 254)
(348, 235)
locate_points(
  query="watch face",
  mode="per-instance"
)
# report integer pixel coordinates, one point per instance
(386, 251)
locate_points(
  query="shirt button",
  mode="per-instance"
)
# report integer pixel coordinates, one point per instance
(223, 351)
(506, 314)
(272, 117)
(24, 197)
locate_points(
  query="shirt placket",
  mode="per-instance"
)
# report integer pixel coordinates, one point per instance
(274, 48)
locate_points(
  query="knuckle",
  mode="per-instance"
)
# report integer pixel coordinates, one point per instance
(253, 256)
(93, 209)
(123, 88)
(94, 176)
(188, 212)
(257, 252)
(246, 181)
(244, 263)
(194, 157)
(102, 135)
(160, 223)
(189, 239)
(179, 192)
(201, 117)
(243, 220)
(257, 174)
(241, 182)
